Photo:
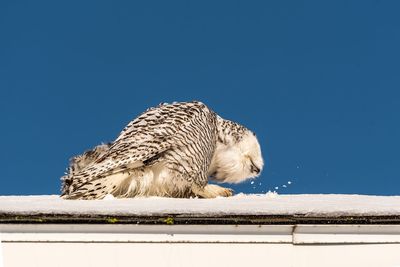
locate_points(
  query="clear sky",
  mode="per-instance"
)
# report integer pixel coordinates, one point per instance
(318, 81)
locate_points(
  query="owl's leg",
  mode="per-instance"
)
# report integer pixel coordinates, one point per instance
(212, 191)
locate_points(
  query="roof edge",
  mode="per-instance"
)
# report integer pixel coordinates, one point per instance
(196, 219)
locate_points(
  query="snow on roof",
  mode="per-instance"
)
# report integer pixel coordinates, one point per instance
(267, 204)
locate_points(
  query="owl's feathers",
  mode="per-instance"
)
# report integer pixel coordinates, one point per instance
(169, 150)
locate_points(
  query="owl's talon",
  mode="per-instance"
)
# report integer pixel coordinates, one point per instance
(213, 191)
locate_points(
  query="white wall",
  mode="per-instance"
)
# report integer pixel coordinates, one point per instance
(200, 245)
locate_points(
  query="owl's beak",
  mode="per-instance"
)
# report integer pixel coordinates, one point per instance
(254, 168)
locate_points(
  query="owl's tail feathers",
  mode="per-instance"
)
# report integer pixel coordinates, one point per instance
(117, 184)
(78, 163)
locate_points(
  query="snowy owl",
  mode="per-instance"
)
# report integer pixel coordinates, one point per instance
(172, 150)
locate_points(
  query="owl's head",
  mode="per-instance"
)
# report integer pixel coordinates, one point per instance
(237, 156)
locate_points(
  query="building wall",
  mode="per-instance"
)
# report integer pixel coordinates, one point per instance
(198, 254)
(200, 245)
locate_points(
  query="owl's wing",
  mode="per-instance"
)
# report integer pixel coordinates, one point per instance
(146, 137)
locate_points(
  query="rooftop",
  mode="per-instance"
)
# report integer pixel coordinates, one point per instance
(267, 208)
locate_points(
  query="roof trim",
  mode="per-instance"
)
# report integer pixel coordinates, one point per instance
(274, 234)
(196, 219)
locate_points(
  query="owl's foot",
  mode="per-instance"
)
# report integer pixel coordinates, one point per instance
(213, 191)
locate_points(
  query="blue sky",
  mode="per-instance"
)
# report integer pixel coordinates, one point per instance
(318, 81)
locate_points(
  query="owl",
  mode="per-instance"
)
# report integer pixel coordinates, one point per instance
(172, 150)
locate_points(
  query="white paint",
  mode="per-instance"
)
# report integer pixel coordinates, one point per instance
(346, 234)
(148, 254)
(290, 234)
(1, 251)
(201, 245)
(198, 254)
(147, 233)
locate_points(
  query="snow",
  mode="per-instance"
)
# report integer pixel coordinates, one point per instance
(241, 204)
(109, 197)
